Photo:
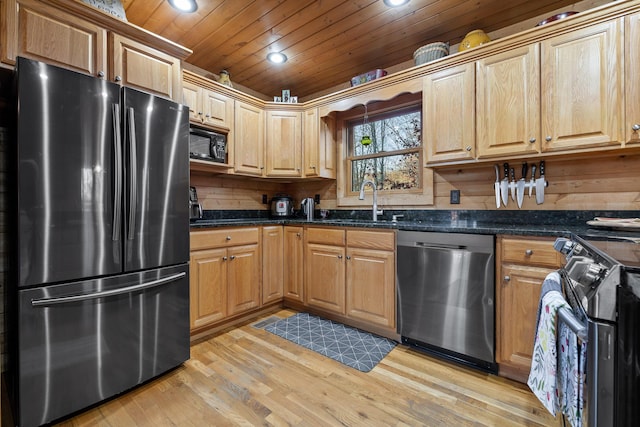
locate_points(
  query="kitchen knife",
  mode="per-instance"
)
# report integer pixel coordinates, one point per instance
(532, 182)
(540, 184)
(504, 185)
(521, 184)
(496, 186)
(512, 184)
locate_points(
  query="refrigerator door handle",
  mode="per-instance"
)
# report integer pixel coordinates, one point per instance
(133, 174)
(44, 302)
(117, 174)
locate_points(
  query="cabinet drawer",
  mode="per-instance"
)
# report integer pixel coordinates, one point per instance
(538, 252)
(224, 237)
(326, 236)
(383, 240)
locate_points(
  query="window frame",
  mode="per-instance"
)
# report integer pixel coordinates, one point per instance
(350, 158)
(386, 199)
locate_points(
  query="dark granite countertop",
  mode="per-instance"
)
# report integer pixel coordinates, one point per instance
(529, 223)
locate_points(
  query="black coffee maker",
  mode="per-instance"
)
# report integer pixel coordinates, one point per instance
(195, 208)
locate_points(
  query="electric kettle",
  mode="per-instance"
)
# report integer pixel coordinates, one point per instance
(308, 205)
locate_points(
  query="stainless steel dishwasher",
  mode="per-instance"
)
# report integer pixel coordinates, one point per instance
(446, 289)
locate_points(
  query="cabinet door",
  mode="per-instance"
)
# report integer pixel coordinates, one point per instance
(249, 139)
(327, 147)
(245, 281)
(218, 110)
(632, 85)
(448, 106)
(581, 88)
(208, 287)
(192, 98)
(139, 66)
(293, 263)
(284, 143)
(519, 296)
(311, 140)
(508, 102)
(370, 286)
(272, 263)
(324, 277)
(50, 35)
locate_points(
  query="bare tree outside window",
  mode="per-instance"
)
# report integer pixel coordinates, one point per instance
(393, 159)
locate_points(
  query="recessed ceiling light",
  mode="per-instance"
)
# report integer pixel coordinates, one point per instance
(185, 5)
(395, 3)
(277, 57)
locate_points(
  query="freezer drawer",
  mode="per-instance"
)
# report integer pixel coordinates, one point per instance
(82, 342)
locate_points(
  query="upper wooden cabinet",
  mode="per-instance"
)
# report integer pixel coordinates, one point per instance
(207, 107)
(632, 85)
(319, 139)
(76, 36)
(283, 149)
(448, 114)
(249, 139)
(582, 88)
(508, 102)
(47, 34)
(136, 65)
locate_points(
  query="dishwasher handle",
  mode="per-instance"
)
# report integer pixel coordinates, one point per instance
(439, 246)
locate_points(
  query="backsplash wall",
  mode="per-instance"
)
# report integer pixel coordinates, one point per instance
(594, 183)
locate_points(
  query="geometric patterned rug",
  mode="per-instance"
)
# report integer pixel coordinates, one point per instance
(350, 346)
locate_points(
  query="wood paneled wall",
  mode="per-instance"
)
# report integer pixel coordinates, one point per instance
(594, 183)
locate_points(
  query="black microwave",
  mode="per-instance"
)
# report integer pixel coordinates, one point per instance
(207, 145)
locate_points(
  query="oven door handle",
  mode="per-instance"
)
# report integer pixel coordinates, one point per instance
(84, 297)
(573, 323)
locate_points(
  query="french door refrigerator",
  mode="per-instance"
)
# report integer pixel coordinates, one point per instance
(101, 241)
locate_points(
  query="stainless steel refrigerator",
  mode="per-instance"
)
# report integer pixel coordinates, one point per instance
(101, 240)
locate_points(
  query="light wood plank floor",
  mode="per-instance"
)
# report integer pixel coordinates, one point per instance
(247, 376)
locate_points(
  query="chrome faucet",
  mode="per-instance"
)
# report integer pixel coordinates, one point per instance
(375, 210)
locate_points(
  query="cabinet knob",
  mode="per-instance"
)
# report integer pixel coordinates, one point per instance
(207, 116)
(298, 234)
(507, 278)
(228, 238)
(528, 252)
(118, 79)
(339, 256)
(348, 257)
(548, 138)
(233, 257)
(199, 113)
(468, 148)
(313, 166)
(636, 127)
(101, 74)
(532, 140)
(224, 258)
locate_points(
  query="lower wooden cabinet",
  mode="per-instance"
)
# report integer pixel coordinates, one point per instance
(208, 287)
(272, 263)
(371, 286)
(523, 264)
(293, 258)
(352, 273)
(325, 281)
(225, 274)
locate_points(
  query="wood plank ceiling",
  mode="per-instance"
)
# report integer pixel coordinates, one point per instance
(327, 41)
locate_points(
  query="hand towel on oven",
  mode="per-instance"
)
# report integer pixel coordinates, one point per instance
(571, 371)
(543, 375)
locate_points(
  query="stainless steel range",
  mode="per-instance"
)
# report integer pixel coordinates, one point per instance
(601, 280)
